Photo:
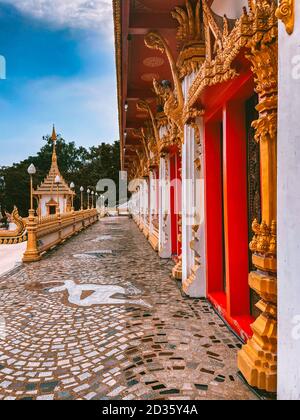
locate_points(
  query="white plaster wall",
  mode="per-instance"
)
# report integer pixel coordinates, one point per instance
(46, 199)
(289, 213)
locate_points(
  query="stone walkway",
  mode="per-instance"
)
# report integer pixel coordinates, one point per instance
(127, 334)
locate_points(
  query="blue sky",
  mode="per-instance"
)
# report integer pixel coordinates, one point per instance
(59, 69)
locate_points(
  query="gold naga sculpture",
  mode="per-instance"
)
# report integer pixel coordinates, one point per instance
(143, 106)
(14, 236)
(150, 134)
(286, 13)
(173, 99)
(192, 55)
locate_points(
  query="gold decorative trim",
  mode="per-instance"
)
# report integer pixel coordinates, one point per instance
(286, 13)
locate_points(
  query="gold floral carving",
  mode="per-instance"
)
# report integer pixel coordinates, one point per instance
(264, 241)
(286, 13)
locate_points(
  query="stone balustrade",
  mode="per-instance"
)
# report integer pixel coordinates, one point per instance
(48, 232)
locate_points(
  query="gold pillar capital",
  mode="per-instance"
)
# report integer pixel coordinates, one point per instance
(32, 253)
(286, 13)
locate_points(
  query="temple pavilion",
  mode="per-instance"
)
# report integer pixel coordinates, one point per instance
(54, 195)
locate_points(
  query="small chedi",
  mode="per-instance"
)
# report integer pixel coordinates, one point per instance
(51, 194)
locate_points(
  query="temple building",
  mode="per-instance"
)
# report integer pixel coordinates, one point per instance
(198, 111)
(53, 195)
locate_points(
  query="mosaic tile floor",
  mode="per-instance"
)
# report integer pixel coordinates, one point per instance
(126, 334)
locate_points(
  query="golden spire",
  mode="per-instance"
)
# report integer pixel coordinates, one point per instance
(54, 139)
(54, 136)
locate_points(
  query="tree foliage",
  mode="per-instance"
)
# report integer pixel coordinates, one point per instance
(85, 167)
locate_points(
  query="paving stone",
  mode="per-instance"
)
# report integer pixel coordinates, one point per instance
(152, 344)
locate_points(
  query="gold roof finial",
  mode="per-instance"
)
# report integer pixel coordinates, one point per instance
(54, 136)
(54, 139)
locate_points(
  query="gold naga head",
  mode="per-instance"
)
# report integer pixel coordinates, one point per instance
(162, 89)
(142, 106)
(154, 41)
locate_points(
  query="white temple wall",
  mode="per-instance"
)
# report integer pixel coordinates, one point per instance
(289, 213)
(165, 246)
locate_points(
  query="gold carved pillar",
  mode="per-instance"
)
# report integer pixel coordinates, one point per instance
(32, 253)
(258, 358)
(286, 13)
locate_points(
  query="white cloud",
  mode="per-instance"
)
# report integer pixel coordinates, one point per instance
(84, 111)
(84, 14)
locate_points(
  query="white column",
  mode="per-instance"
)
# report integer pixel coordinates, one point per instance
(165, 249)
(198, 286)
(193, 274)
(146, 206)
(289, 213)
(152, 182)
(143, 210)
(188, 204)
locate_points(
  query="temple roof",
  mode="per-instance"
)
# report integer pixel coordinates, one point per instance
(138, 65)
(48, 186)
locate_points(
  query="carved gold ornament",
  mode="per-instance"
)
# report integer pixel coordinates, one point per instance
(286, 13)
(265, 239)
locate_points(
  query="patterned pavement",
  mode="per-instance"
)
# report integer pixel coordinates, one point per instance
(99, 318)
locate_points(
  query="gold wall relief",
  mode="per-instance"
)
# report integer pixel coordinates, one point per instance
(286, 13)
